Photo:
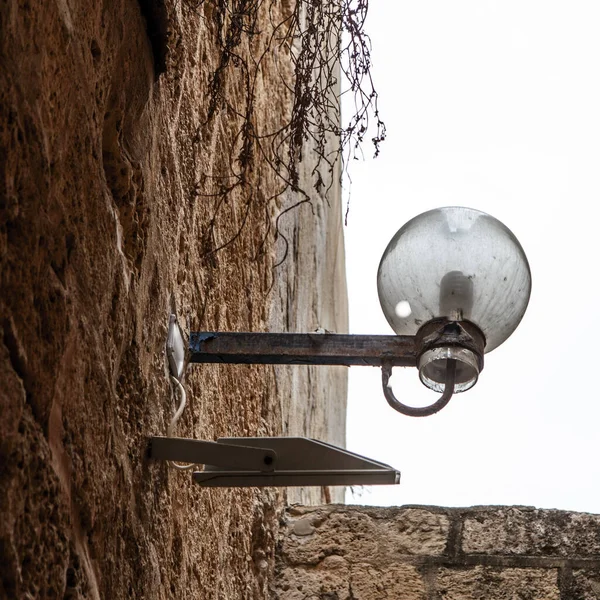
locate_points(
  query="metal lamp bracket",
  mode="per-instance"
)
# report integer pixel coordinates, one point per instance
(385, 351)
(243, 462)
(296, 461)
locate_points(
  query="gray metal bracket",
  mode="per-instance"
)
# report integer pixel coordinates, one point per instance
(281, 461)
(201, 452)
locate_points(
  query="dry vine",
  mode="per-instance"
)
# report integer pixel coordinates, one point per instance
(321, 39)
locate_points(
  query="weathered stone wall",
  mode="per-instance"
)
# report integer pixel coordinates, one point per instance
(311, 295)
(429, 553)
(105, 229)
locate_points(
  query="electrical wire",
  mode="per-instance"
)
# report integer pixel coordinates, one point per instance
(173, 423)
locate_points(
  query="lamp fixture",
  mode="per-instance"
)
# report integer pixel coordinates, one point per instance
(453, 283)
(458, 280)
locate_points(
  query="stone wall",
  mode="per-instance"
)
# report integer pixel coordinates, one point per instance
(430, 553)
(106, 227)
(311, 294)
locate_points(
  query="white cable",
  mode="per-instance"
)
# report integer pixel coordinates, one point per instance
(173, 423)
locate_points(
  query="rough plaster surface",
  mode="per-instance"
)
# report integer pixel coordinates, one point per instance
(429, 553)
(102, 235)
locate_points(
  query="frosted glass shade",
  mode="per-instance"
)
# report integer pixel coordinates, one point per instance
(458, 263)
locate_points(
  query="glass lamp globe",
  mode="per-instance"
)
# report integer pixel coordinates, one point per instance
(460, 264)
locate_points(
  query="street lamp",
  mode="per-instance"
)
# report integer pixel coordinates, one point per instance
(458, 280)
(453, 284)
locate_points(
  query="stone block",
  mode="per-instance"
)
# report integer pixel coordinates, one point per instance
(393, 582)
(415, 531)
(584, 585)
(335, 579)
(364, 535)
(330, 581)
(487, 583)
(529, 531)
(316, 535)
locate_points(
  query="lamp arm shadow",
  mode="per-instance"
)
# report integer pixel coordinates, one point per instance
(417, 411)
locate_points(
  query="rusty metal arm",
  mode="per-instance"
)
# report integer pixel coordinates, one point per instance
(303, 349)
(385, 351)
(417, 411)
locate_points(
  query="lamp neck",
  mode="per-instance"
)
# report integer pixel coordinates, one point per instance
(445, 333)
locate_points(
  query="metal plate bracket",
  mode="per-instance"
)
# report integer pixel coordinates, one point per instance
(275, 461)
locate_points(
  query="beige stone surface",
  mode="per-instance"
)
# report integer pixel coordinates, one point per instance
(335, 579)
(486, 583)
(363, 534)
(523, 530)
(311, 584)
(350, 534)
(106, 227)
(415, 531)
(419, 552)
(309, 294)
(584, 585)
(393, 582)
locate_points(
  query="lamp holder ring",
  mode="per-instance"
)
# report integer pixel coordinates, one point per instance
(443, 333)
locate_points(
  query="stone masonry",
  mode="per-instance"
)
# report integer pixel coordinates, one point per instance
(431, 553)
(109, 222)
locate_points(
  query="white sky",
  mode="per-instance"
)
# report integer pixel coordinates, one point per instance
(493, 105)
